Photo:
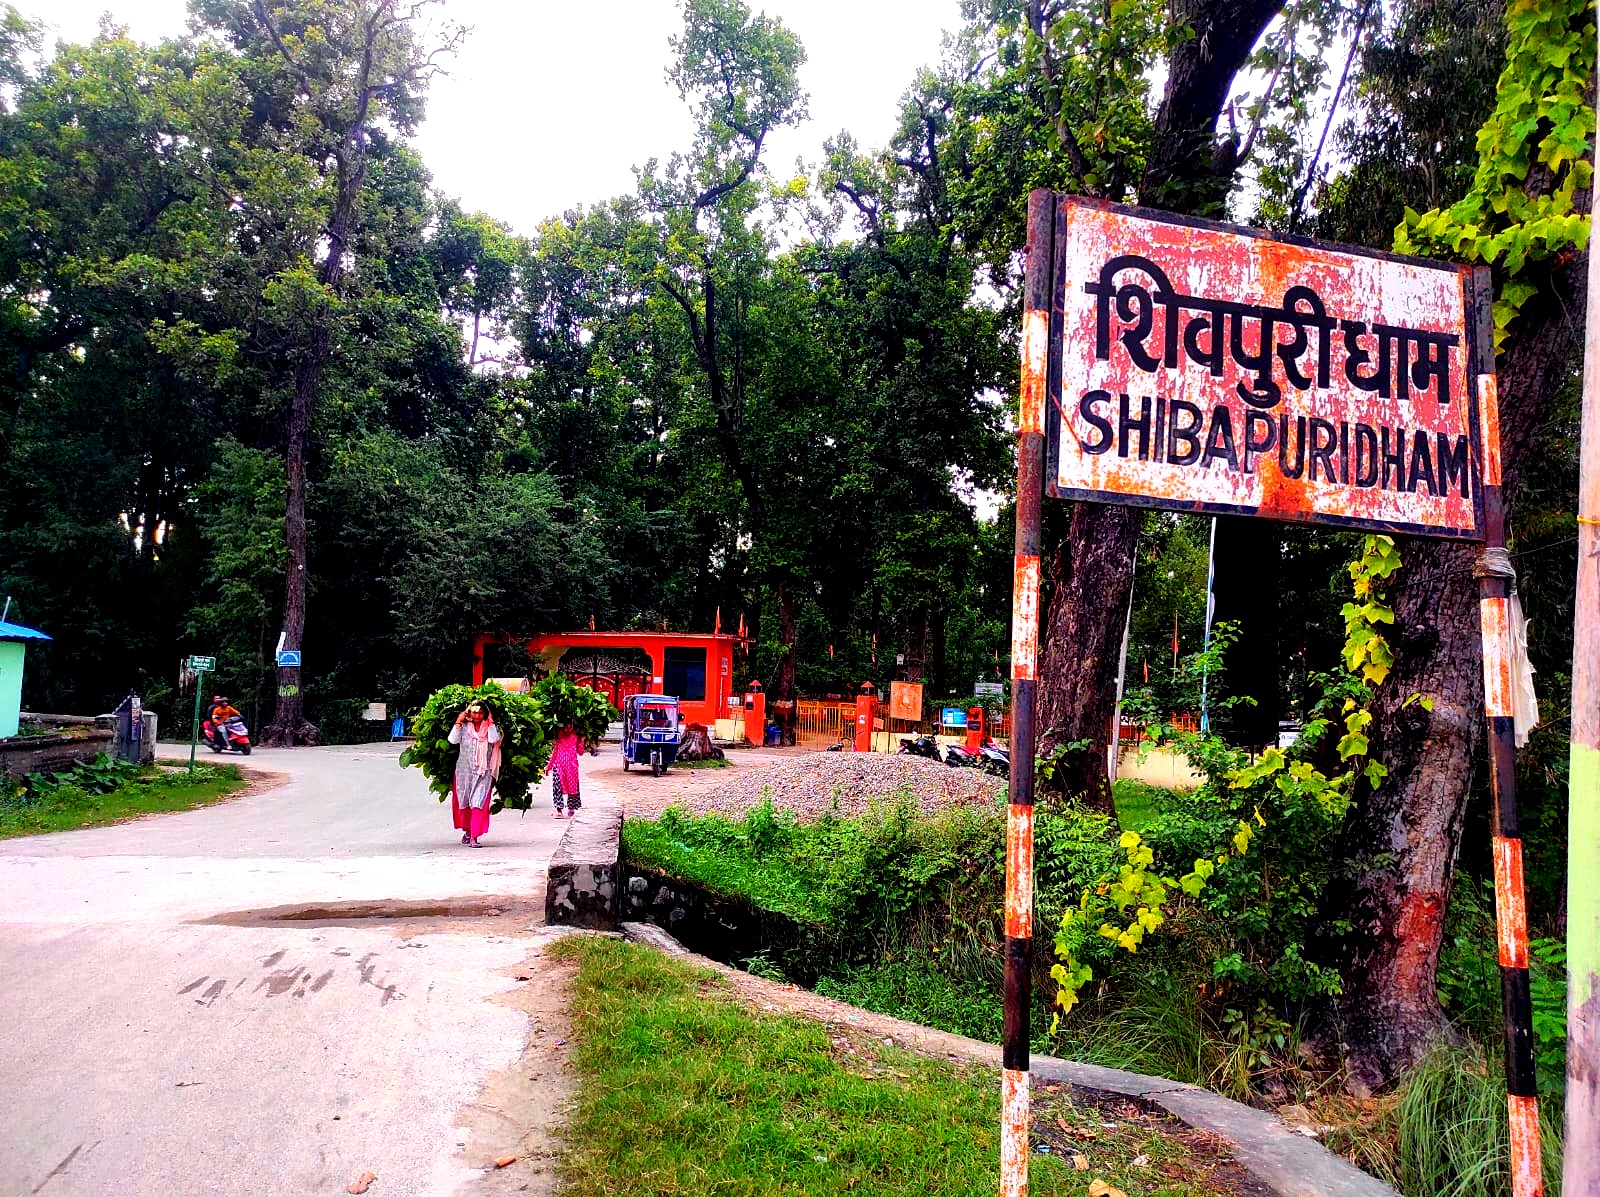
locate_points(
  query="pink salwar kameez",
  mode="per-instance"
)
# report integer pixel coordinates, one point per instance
(564, 771)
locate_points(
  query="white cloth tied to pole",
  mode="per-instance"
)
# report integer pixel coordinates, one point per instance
(1524, 700)
(1496, 563)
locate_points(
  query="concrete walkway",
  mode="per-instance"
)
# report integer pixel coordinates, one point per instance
(166, 1037)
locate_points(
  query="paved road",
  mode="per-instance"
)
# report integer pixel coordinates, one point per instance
(152, 1050)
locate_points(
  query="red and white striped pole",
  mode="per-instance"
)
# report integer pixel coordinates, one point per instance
(1495, 576)
(1038, 289)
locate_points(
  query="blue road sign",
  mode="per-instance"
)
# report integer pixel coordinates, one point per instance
(289, 657)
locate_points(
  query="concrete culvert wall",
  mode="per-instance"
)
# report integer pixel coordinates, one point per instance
(729, 930)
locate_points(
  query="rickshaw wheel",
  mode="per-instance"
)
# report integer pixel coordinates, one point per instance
(625, 763)
(656, 768)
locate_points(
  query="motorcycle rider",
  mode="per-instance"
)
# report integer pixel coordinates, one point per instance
(208, 721)
(222, 711)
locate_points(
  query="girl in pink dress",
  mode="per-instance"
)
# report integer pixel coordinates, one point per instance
(564, 773)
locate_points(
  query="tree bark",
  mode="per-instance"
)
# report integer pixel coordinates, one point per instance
(1089, 578)
(1188, 169)
(1404, 838)
(1091, 572)
(289, 726)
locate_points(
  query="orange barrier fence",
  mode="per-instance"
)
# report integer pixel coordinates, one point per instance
(823, 722)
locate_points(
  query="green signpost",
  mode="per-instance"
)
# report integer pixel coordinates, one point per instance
(199, 666)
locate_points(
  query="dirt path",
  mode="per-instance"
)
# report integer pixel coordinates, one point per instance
(521, 1108)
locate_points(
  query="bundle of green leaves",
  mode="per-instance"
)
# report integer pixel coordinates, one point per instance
(526, 726)
(586, 711)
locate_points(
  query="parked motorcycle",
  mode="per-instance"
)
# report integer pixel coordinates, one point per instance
(958, 757)
(994, 759)
(920, 746)
(235, 737)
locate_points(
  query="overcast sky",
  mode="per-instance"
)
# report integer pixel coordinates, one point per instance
(551, 102)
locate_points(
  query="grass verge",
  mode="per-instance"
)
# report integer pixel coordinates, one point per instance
(1138, 802)
(686, 1091)
(67, 805)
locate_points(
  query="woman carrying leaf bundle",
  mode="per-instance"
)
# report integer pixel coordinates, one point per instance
(564, 772)
(476, 769)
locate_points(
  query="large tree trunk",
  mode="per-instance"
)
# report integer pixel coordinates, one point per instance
(1406, 835)
(1089, 578)
(1091, 572)
(289, 726)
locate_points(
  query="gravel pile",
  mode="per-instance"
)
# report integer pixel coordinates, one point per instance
(806, 785)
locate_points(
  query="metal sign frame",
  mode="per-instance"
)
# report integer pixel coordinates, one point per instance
(1038, 439)
(1471, 282)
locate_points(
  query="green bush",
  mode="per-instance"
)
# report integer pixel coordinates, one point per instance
(526, 727)
(100, 776)
(1265, 902)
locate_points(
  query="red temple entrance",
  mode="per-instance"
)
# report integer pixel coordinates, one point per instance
(695, 668)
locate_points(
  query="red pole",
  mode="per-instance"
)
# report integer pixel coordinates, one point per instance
(1495, 575)
(1014, 1115)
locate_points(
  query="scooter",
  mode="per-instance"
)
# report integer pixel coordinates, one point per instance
(919, 746)
(235, 736)
(994, 759)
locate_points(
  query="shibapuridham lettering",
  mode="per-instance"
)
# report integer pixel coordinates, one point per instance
(1176, 432)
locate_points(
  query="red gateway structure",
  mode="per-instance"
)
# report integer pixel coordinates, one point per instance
(696, 668)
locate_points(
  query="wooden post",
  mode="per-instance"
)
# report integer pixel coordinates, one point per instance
(1510, 907)
(1024, 661)
(1581, 1162)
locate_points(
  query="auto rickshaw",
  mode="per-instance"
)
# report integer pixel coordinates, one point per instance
(649, 731)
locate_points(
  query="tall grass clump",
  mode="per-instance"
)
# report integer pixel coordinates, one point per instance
(1452, 1130)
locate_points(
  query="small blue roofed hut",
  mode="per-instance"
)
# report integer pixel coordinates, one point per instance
(13, 643)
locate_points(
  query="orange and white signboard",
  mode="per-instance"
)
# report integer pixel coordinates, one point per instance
(1205, 367)
(905, 700)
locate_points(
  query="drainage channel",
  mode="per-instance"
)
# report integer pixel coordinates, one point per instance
(384, 910)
